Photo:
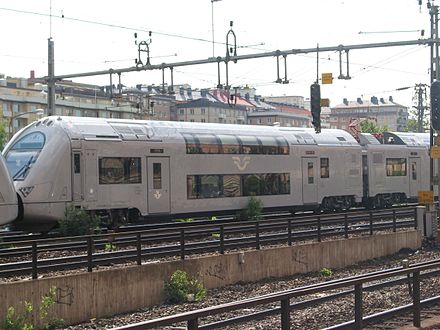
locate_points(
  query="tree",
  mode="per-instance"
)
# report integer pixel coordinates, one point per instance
(412, 125)
(3, 136)
(370, 127)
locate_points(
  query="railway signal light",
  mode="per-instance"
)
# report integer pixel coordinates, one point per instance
(435, 105)
(315, 106)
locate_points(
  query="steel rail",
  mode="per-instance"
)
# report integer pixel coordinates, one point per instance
(183, 242)
(284, 297)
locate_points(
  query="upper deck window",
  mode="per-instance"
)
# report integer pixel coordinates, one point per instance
(23, 154)
(235, 144)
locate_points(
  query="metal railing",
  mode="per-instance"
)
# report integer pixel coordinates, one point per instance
(349, 286)
(187, 239)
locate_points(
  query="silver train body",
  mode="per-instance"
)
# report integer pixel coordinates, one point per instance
(125, 168)
(8, 196)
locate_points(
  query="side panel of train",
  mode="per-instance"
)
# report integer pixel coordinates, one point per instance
(395, 174)
(162, 178)
(8, 196)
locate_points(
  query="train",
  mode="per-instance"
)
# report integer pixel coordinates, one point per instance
(126, 170)
(8, 196)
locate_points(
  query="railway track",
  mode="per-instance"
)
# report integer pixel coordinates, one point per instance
(430, 319)
(9, 236)
(181, 240)
(360, 301)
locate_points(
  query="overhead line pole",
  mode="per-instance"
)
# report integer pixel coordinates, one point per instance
(245, 57)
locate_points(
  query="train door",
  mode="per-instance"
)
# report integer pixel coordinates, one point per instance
(77, 186)
(158, 178)
(310, 184)
(415, 182)
(91, 175)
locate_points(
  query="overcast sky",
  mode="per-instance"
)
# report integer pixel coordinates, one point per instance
(99, 35)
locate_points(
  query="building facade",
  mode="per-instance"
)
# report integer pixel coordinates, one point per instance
(385, 113)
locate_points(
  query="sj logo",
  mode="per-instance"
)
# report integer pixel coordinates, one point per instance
(157, 194)
(241, 163)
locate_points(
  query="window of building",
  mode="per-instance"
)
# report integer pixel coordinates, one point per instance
(202, 111)
(191, 111)
(119, 170)
(203, 120)
(182, 111)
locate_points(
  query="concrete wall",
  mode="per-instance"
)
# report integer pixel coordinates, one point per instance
(83, 296)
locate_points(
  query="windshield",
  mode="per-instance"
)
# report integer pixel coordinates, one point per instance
(23, 154)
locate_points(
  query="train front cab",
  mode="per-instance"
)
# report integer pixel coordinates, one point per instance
(8, 196)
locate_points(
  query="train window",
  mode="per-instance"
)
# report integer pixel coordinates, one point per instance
(269, 145)
(283, 146)
(76, 164)
(325, 168)
(251, 185)
(249, 145)
(119, 170)
(157, 176)
(23, 154)
(208, 144)
(414, 171)
(191, 144)
(191, 186)
(34, 140)
(310, 174)
(210, 186)
(396, 166)
(215, 186)
(229, 143)
(231, 186)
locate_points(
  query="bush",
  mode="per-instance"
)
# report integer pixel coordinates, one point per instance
(24, 321)
(182, 288)
(78, 222)
(253, 210)
(326, 272)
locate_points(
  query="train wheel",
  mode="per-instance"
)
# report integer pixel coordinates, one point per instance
(327, 204)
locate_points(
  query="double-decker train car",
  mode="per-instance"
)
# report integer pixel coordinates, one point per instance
(123, 169)
(8, 196)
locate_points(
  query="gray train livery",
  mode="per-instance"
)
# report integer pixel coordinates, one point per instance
(126, 169)
(8, 196)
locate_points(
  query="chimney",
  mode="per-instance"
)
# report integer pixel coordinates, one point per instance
(390, 99)
(181, 91)
(374, 100)
(359, 100)
(382, 100)
(32, 74)
(203, 93)
(345, 101)
(246, 96)
(189, 92)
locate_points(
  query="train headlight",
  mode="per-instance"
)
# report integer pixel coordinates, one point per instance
(26, 190)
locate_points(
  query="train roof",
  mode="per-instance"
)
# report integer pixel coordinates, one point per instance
(407, 138)
(132, 130)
